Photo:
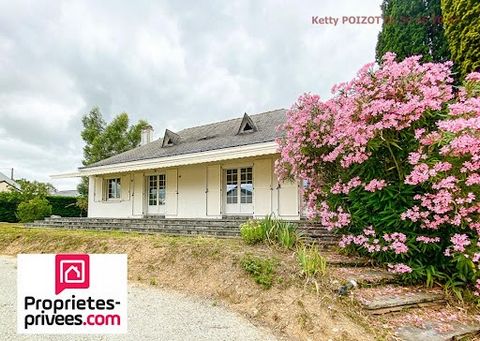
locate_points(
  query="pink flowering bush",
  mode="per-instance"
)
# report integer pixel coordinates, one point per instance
(392, 163)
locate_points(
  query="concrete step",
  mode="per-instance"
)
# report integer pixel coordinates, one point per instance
(179, 225)
(364, 276)
(191, 231)
(137, 225)
(432, 331)
(390, 298)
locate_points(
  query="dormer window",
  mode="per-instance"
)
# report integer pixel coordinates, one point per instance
(247, 125)
(170, 138)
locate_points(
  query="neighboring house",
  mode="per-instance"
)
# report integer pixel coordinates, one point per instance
(73, 193)
(7, 184)
(196, 173)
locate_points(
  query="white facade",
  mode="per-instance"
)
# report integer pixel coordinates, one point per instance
(237, 187)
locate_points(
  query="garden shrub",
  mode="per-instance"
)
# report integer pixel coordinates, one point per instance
(392, 163)
(34, 209)
(252, 232)
(261, 269)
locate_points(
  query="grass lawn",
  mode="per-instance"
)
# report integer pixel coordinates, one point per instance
(211, 268)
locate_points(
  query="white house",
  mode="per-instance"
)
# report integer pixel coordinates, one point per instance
(8, 184)
(209, 171)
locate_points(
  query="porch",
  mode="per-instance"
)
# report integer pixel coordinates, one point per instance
(245, 187)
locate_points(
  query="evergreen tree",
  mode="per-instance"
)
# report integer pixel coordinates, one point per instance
(462, 27)
(412, 27)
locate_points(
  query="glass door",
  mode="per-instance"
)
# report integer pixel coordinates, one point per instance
(156, 185)
(239, 191)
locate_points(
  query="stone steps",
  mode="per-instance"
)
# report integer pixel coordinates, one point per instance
(205, 231)
(413, 313)
(180, 226)
(364, 276)
(392, 299)
(433, 332)
(138, 225)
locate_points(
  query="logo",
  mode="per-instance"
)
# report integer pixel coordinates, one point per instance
(71, 293)
(71, 272)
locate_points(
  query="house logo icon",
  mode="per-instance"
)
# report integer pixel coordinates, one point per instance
(72, 271)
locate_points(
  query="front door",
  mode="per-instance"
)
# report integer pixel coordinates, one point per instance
(239, 191)
(156, 185)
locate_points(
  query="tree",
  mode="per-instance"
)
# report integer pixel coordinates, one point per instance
(462, 29)
(33, 189)
(412, 27)
(104, 140)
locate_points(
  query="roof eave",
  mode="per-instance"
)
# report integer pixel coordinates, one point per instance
(258, 149)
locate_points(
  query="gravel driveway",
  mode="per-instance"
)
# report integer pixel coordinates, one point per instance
(154, 314)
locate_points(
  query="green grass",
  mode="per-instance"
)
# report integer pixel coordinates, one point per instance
(60, 240)
(312, 264)
(271, 231)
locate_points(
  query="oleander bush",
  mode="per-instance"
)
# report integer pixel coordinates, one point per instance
(392, 163)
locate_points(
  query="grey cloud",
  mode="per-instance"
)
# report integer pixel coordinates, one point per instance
(174, 63)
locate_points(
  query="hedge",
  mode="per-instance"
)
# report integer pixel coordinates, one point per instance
(8, 206)
(64, 206)
(61, 206)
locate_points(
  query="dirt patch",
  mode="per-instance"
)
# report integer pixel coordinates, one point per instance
(210, 268)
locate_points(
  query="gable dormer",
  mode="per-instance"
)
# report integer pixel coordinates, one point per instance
(247, 125)
(170, 138)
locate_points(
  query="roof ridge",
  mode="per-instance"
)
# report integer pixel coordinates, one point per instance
(230, 119)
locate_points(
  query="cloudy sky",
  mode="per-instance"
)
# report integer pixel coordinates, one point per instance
(174, 63)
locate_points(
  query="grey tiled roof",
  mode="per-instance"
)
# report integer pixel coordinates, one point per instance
(73, 193)
(206, 137)
(4, 178)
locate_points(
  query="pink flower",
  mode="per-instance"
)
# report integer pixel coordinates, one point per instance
(473, 179)
(399, 268)
(474, 76)
(419, 174)
(427, 240)
(460, 241)
(375, 185)
(414, 158)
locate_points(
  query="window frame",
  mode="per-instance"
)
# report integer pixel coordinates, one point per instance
(159, 195)
(111, 189)
(243, 174)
